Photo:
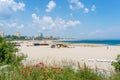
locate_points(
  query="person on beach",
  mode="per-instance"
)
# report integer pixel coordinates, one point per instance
(107, 47)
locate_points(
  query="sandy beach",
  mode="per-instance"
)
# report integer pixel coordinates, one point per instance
(100, 56)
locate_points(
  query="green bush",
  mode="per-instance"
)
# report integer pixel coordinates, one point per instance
(8, 53)
(117, 64)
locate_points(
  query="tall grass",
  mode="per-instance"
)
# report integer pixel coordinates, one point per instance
(41, 71)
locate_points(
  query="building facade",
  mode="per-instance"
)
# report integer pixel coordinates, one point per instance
(1, 33)
(17, 34)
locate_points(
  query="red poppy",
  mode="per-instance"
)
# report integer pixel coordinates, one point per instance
(37, 65)
(30, 71)
(44, 72)
(24, 75)
(41, 63)
(46, 66)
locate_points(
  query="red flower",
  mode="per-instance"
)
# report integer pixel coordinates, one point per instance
(41, 63)
(24, 75)
(31, 71)
(46, 66)
(44, 72)
(37, 65)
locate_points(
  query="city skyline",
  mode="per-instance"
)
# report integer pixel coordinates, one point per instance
(81, 19)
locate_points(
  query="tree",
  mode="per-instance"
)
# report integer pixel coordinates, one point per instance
(117, 64)
(8, 53)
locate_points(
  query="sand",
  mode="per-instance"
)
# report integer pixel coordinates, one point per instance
(100, 56)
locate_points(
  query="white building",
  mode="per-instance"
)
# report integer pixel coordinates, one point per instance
(1, 33)
(17, 34)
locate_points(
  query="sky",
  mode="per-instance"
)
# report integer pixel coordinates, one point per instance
(80, 19)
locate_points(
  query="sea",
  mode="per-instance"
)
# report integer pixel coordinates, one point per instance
(106, 42)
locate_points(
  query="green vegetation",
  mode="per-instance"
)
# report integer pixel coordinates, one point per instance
(117, 64)
(8, 53)
(41, 71)
(13, 37)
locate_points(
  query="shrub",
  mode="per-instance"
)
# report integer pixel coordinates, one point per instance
(117, 64)
(8, 53)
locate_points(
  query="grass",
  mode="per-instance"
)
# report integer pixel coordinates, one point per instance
(40, 71)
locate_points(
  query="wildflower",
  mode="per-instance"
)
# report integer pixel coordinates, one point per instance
(30, 71)
(24, 75)
(41, 63)
(44, 72)
(46, 66)
(37, 65)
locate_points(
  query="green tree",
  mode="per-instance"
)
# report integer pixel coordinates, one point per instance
(8, 53)
(117, 64)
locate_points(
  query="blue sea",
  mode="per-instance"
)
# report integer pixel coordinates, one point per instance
(106, 42)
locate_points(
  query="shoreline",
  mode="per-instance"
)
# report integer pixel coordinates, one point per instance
(94, 42)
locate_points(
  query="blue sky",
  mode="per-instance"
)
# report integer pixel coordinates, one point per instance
(81, 19)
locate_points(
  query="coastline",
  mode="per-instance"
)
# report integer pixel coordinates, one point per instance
(96, 42)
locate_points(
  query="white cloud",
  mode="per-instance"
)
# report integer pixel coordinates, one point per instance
(18, 6)
(47, 19)
(73, 23)
(11, 24)
(77, 4)
(48, 23)
(51, 5)
(35, 18)
(96, 32)
(71, 7)
(74, 1)
(20, 26)
(8, 5)
(2, 0)
(93, 8)
(80, 5)
(86, 10)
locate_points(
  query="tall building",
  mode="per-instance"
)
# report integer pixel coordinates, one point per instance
(17, 34)
(41, 35)
(1, 33)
